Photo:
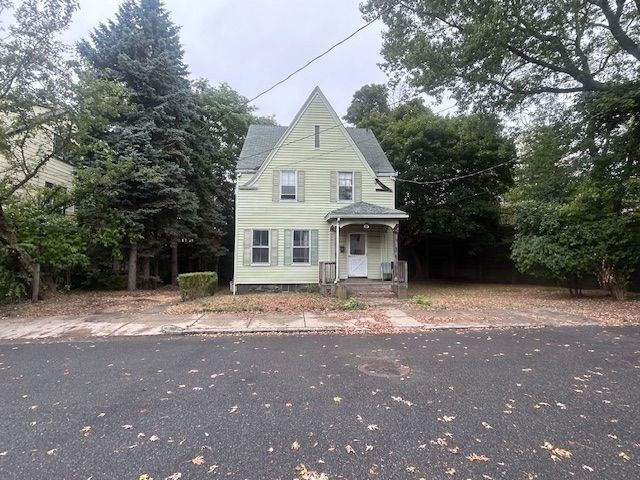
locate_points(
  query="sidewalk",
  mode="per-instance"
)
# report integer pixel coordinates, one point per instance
(387, 319)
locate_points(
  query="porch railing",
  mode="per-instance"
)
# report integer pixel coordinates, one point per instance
(327, 272)
(400, 274)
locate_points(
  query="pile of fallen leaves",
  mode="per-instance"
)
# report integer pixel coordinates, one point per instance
(595, 304)
(92, 302)
(286, 302)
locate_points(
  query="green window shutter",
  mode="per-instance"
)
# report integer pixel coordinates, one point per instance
(246, 259)
(276, 185)
(314, 247)
(287, 247)
(273, 254)
(300, 193)
(357, 186)
(333, 195)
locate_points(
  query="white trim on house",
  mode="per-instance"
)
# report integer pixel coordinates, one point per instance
(295, 185)
(294, 123)
(268, 247)
(353, 187)
(308, 247)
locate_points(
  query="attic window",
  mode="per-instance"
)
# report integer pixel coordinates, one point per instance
(316, 131)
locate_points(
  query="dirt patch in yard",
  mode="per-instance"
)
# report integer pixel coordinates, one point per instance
(487, 299)
(91, 302)
(259, 302)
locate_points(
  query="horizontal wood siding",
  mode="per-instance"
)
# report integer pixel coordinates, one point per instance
(256, 208)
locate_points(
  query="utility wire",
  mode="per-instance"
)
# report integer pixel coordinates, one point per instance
(458, 177)
(313, 60)
(337, 125)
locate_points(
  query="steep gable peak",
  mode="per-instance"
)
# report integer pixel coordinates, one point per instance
(316, 93)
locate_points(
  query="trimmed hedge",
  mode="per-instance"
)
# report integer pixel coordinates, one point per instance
(197, 284)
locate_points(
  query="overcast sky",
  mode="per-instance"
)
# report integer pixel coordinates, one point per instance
(251, 44)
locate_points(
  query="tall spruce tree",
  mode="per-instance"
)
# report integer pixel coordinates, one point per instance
(141, 50)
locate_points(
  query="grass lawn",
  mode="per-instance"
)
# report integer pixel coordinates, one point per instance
(473, 296)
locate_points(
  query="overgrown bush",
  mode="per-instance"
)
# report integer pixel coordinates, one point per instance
(197, 284)
(353, 304)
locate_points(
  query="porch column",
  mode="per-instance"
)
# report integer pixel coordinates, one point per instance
(337, 250)
(395, 253)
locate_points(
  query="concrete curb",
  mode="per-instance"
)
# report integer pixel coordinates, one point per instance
(175, 330)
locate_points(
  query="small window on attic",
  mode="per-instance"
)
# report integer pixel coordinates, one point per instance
(316, 129)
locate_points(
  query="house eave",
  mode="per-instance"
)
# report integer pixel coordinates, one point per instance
(335, 216)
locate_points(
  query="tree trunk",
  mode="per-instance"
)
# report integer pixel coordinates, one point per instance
(617, 292)
(35, 283)
(174, 263)
(133, 268)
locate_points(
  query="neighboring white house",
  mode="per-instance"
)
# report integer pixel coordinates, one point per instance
(53, 173)
(308, 192)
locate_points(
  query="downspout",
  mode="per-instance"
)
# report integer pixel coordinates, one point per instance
(337, 251)
(235, 236)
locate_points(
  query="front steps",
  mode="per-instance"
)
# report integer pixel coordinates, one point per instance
(371, 292)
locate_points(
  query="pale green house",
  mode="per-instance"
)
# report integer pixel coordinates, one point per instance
(315, 205)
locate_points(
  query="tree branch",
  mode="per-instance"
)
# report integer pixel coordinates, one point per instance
(613, 19)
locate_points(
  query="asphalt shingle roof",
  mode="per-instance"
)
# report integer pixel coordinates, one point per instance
(365, 209)
(262, 138)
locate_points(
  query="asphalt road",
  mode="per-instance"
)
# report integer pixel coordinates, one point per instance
(548, 403)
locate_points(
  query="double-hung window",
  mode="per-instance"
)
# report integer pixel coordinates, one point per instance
(288, 185)
(260, 247)
(301, 247)
(345, 186)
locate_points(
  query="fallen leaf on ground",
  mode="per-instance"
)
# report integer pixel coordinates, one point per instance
(373, 427)
(556, 451)
(337, 399)
(624, 456)
(474, 457)
(199, 460)
(154, 438)
(233, 409)
(86, 430)
(349, 449)
(446, 418)
(295, 445)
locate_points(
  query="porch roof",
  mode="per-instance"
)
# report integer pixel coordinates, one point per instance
(365, 210)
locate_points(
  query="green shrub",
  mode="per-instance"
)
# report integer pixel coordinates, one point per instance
(353, 304)
(421, 300)
(309, 288)
(197, 284)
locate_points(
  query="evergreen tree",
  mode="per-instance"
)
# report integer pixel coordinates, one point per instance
(141, 50)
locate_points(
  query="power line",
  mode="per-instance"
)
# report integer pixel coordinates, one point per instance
(337, 125)
(313, 60)
(458, 177)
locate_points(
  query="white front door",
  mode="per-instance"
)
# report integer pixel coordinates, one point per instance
(357, 258)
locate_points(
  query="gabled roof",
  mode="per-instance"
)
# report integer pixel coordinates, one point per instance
(365, 210)
(262, 139)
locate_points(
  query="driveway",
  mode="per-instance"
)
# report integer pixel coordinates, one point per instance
(518, 404)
